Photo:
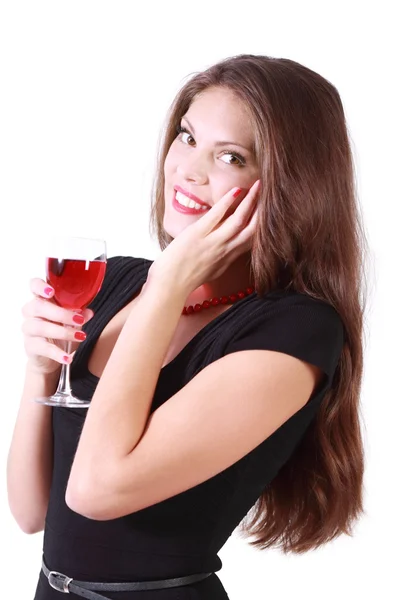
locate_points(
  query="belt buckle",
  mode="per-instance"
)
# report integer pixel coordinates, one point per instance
(59, 581)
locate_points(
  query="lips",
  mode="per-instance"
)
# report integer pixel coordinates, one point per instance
(178, 188)
(186, 210)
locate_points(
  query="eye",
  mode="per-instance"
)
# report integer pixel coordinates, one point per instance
(241, 161)
(187, 138)
(185, 132)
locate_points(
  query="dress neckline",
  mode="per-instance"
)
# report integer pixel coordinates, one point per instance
(87, 348)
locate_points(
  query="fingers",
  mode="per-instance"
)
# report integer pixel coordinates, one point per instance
(41, 288)
(238, 222)
(46, 323)
(45, 309)
(244, 237)
(213, 217)
(35, 327)
(39, 347)
(243, 211)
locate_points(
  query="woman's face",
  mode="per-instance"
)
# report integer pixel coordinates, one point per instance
(211, 156)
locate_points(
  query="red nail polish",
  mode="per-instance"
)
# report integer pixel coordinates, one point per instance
(48, 291)
(80, 335)
(66, 358)
(237, 192)
(78, 319)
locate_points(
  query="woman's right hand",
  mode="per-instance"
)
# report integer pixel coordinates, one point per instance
(44, 321)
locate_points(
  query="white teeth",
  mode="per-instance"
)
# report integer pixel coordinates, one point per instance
(185, 201)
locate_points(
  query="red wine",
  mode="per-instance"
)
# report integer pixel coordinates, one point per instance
(75, 282)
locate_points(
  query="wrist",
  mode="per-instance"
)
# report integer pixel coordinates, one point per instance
(35, 374)
(165, 288)
(37, 384)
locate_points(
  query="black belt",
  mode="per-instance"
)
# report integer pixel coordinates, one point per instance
(65, 584)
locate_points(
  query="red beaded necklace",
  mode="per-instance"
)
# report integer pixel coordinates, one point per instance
(188, 310)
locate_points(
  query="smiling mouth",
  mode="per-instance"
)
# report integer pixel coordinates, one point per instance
(186, 202)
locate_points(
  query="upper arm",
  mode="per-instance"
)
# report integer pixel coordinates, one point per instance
(223, 413)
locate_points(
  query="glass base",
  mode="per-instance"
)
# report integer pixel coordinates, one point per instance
(65, 400)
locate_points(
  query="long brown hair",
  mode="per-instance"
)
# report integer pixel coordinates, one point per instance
(309, 238)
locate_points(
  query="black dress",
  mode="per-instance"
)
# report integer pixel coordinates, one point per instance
(183, 534)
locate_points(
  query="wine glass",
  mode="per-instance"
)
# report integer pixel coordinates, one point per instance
(75, 268)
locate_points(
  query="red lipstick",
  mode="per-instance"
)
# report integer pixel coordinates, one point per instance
(191, 196)
(185, 209)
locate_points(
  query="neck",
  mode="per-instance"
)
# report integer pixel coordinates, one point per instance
(235, 278)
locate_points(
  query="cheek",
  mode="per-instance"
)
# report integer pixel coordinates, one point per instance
(167, 165)
(171, 160)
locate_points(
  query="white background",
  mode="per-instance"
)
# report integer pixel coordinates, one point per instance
(85, 86)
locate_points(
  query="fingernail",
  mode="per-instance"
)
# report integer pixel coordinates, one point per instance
(66, 358)
(78, 319)
(237, 192)
(48, 291)
(80, 335)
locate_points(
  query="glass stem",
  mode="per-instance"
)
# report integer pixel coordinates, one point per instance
(64, 386)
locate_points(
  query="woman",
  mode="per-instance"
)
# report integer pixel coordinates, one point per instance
(202, 410)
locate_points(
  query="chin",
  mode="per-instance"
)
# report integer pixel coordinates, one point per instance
(172, 227)
(173, 231)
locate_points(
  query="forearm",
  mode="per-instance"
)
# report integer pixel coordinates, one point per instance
(29, 465)
(121, 404)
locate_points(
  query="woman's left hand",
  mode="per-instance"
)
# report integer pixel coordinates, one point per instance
(206, 248)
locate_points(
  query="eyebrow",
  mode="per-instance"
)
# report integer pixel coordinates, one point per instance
(221, 143)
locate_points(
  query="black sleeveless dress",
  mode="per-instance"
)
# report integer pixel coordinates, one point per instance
(183, 534)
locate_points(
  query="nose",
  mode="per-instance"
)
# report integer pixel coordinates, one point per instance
(192, 169)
